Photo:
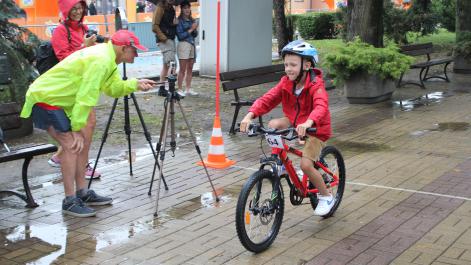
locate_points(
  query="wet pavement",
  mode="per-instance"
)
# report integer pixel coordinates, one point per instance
(407, 198)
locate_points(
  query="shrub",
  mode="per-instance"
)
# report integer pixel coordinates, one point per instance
(445, 10)
(358, 56)
(317, 26)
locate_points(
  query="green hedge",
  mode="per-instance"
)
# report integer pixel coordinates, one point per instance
(318, 26)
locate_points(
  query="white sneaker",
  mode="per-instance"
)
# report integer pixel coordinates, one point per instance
(325, 205)
(191, 92)
(181, 93)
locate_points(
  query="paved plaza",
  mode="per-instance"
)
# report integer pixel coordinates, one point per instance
(407, 198)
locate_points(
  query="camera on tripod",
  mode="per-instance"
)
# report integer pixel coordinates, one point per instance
(99, 38)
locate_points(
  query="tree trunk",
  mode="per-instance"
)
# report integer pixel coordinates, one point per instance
(365, 19)
(280, 24)
(463, 20)
(463, 34)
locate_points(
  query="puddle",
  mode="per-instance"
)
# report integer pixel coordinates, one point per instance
(452, 126)
(53, 238)
(206, 200)
(358, 147)
(410, 104)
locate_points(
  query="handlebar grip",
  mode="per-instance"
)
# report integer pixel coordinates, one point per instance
(311, 130)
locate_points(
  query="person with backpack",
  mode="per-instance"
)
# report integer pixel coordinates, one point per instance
(164, 25)
(61, 100)
(68, 37)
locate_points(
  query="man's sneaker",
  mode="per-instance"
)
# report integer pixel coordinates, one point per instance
(89, 171)
(54, 161)
(91, 198)
(325, 205)
(75, 207)
(191, 92)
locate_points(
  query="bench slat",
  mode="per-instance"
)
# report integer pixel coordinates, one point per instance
(27, 151)
(432, 62)
(251, 81)
(417, 49)
(252, 72)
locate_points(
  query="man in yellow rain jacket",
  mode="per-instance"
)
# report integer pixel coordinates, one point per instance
(61, 100)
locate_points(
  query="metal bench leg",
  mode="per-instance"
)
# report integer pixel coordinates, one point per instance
(400, 81)
(422, 85)
(444, 71)
(426, 73)
(24, 175)
(28, 198)
(234, 119)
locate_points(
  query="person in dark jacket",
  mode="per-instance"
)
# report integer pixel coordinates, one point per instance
(186, 50)
(92, 8)
(305, 104)
(67, 38)
(164, 24)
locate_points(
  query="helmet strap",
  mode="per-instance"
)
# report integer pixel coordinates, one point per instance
(301, 72)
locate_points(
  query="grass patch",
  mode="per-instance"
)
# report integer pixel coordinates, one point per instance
(442, 40)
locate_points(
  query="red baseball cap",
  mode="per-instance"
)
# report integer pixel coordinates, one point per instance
(127, 38)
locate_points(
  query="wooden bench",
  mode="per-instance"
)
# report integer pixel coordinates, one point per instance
(235, 80)
(26, 152)
(424, 49)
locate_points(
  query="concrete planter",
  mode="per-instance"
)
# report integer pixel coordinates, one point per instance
(363, 88)
(462, 65)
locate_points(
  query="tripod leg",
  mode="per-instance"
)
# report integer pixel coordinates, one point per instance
(197, 149)
(162, 156)
(127, 130)
(149, 140)
(158, 148)
(103, 139)
(173, 143)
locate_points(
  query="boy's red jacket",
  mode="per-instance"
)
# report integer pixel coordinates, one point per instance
(313, 103)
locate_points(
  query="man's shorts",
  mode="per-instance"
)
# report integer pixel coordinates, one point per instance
(312, 148)
(185, 50)
(43, 119)
(168, 50)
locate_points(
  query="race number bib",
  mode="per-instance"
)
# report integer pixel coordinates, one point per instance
(274, 140)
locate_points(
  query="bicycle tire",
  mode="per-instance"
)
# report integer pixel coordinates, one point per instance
(241, 211)
(326, 151)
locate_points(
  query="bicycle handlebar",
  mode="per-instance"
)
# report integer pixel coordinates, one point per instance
(288, 133)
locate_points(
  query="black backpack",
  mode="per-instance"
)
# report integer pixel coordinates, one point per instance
(45, 56)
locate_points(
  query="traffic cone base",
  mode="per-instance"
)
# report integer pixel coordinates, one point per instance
(216, 155)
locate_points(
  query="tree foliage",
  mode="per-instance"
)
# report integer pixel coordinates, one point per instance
(20, 39)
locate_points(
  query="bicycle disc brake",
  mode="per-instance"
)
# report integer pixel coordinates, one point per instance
(295, 196)
(267, 212)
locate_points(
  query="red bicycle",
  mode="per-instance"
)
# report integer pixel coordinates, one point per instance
(260, 207)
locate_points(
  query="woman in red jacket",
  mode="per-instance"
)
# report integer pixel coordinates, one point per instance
(305, 104)
(68, 37)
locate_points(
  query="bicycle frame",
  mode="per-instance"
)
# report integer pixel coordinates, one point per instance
(301, 186)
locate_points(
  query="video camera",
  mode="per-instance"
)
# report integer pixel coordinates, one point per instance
(99, 38)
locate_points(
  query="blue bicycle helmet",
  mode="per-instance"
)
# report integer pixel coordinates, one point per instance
(302, 49)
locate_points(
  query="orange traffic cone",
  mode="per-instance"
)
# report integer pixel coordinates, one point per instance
(216, 156)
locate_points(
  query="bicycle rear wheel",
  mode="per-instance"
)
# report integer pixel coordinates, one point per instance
(332, 158)
(259, 211)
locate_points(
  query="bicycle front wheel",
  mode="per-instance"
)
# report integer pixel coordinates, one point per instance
(259, 211)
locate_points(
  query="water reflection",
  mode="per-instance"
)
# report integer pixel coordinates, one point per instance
(410, 104)
(47, 244)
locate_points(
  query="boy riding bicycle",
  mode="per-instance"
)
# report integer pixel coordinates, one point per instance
(305, 104)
